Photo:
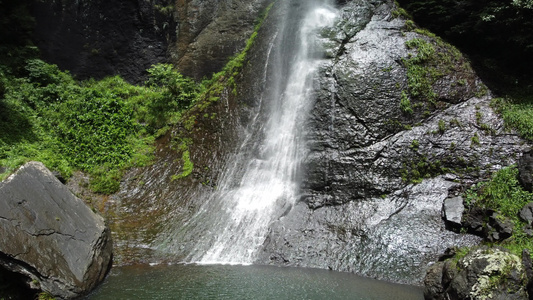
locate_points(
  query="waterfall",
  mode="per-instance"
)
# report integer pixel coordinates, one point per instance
(261, 183)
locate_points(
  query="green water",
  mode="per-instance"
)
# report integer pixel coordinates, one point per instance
(244, 282)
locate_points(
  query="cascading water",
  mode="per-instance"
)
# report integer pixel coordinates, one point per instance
(262, 182)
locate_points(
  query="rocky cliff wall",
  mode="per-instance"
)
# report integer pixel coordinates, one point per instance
(211, 31)
(104, 38)
(379, 169)
(125, 37)
(400, 123)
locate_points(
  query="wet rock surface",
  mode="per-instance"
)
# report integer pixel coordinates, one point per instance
(453, 211)
(367, 204)
(211, 31)
(376, 178)
(51, 241)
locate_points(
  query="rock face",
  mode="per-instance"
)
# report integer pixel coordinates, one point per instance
(487, 224)
(125, 37)
(453, 211)
(104, 38)
(482, 274)
(50, 238)
(368, 205)
(382, 155)
(211, 31)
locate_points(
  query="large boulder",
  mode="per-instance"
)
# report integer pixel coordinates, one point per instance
(484, 273)
(50, 238)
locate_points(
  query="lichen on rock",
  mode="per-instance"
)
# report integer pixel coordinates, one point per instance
(483, 273)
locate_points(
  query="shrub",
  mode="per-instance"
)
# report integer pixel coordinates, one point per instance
(504, 194)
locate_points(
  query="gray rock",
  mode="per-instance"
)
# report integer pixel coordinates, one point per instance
(484, 273)
(453, 209)
(525, 170)
(487, 224)
(433, 282)
(363, 213)
(49, 236)
(499, 228)
(94, 39)
(526, 213)
(210, 31)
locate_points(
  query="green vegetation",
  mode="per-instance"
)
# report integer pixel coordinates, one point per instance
(405, 103)
(503, 193)
(209, 93)
(433, 59)
(442, 126)
(417, 170)
(99, 127)
(430, 59)
(496, 34)
(474, 140)
(400, 12)
(517, 112)
(45, 296)
(420, 75)
(225, 78)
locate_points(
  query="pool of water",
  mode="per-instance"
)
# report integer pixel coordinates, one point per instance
(244, 282)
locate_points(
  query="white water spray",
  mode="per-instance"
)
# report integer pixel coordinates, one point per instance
(240, 212)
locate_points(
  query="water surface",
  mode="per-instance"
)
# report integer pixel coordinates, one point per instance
(244, 282)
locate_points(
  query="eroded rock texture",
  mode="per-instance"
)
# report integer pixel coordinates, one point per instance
(125, 37)
(368, 204)
(211, 31)
(50, 238)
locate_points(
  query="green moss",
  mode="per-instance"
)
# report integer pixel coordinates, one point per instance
(442, 126)
(414, 171)
(165, 10)
(225, 79)
(45, 296)
(400, 12)
(420, 75)
(431, 59)
(474, 140)
(405, 103)
(517, 114)
(187, 168)
(414, 145)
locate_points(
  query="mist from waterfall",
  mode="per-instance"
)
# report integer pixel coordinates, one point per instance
(261, 183)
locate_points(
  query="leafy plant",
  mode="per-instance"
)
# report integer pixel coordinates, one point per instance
(504, 194)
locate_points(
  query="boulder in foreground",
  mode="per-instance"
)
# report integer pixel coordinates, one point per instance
(49, 238)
